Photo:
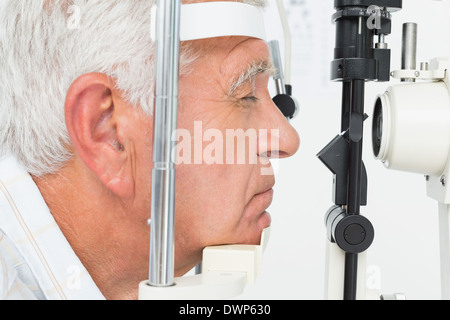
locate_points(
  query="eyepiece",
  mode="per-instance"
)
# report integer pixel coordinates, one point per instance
(377, 127)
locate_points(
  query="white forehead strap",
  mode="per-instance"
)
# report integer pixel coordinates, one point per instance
(218, 19)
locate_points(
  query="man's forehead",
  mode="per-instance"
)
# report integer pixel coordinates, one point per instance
(244, 53)
(230, 33)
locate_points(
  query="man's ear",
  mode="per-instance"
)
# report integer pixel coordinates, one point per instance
(92, 120)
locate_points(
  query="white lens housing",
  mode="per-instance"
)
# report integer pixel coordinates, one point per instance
(411, 127)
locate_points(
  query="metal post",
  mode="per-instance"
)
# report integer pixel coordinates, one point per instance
(444, 240)
(409, 48)
(356, 120)
(165, 122)
(279, 74)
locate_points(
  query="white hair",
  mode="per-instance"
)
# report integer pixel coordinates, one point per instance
(45, 45)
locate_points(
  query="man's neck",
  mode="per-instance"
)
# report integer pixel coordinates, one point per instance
(95, 224)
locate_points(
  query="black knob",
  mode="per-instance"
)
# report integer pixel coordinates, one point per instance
(352, 233)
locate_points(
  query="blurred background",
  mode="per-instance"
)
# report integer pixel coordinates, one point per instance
(404, 257)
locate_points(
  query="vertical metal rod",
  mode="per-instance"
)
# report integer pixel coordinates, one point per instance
(356, 127)
(165, 122)
(356, 146)
(279, 74)
(350, 276)
(346, 103)
(444, 241)
(409, 48)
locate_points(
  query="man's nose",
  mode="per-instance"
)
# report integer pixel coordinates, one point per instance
(283, 140)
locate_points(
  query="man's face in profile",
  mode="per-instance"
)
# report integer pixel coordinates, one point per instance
(82, 127)
(228, 130)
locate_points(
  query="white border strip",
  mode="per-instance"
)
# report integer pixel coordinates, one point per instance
(219, 19)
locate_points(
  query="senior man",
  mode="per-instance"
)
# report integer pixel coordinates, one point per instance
(76, 135)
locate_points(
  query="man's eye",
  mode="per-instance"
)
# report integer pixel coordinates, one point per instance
(251, 99)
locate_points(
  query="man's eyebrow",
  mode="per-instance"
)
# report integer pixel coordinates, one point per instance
(246, 76)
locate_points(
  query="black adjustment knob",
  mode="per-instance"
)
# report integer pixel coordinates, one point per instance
(352, 233)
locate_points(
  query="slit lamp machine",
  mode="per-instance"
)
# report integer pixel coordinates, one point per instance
(410, 132)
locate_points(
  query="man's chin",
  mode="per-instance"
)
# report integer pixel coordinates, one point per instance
(265, 221)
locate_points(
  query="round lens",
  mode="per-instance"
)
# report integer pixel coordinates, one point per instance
(377, 127)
